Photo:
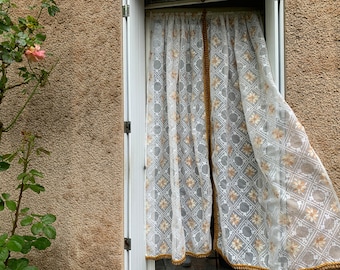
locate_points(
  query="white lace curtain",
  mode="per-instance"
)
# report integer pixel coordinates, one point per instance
(219, 131)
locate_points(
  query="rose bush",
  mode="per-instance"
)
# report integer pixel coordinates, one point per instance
(22, 67)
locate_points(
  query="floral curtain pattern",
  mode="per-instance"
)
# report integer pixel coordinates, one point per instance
(274, 205)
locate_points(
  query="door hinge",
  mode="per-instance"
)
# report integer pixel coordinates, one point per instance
(126, 11)
(127, 127)
(127, 243)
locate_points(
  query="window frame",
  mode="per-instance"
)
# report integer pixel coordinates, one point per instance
(134, 63)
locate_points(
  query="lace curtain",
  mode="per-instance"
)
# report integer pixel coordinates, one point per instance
(222, 143)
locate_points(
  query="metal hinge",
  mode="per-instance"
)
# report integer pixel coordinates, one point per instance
(127, 243)
(127, 127)
(126, 11)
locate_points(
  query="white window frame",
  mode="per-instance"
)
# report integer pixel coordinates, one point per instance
(134, 95)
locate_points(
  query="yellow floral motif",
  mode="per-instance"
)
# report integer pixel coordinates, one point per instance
(164, 248)
(244, 37)
(312, 214)
(148, 139)
(293, 248)
(285, 220)
(206, 226)
(258, 245)
(163, 204)
(299, 186)
(216, 103)
(236, 244)
(193, 53)
(258, 141)
(243, 127)
(250, 77)
(277, 134)
(147, 228)
(265, 167)
(174, 53)
(164, 226)
(174, 96)
(190, 182)
(334, 207)
(216, 41)
(320, 242)
(191, 203)
(234, 219)
(250, 171)
(230, 150)
(288, 160)
(252, 98)
(247, 149)
(253, 195)
(215, 82)
(162, 182)
(174, 74)
(191, 223)
(231, 172)
(205, 204)
(248, 57)
(215, 61)
(188, 161)
(271, 109)
(233, 196)
(206, 247)
(147, 206)
(256, 219)
(254, 119)
(148, 161)
(187, 140)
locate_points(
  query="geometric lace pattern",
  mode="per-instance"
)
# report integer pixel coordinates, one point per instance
(274, 204)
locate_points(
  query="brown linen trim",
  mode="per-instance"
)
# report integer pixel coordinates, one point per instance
(206, 81)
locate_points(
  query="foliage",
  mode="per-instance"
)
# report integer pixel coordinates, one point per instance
(22, 67)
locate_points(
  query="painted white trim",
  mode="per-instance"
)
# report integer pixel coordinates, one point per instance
(135, 107)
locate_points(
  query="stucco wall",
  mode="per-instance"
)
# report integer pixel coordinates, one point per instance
(80, 119)
(313, 77)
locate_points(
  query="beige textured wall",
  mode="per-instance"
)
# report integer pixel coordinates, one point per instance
(313, 77)
(80, 119)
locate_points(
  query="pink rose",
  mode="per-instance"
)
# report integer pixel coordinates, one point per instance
(34, 54)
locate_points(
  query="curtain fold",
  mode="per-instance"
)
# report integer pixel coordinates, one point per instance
(275, 206)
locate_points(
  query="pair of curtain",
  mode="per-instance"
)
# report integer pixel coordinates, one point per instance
(223, 145)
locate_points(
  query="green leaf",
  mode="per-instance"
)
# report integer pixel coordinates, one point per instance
(36, 173)
(53, 10)
(13, 245)
(39, 38)
(3, 253)
(2, 205)
(37, 228)
(50, 232)
(11, 205)
(37, 188)
(3, 239)
(26, 247)
(42, 150)
(2, 266)
(26, 221)
(48, 219)
(41, 243)
(5, 196)
(17, 264)
(4, 166)
(21, 176)
(24, 210)
(29, 238)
